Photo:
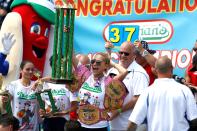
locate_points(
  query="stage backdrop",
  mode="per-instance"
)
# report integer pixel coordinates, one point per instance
(169, 26)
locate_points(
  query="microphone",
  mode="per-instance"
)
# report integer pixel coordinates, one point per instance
(183, 81)
(179, 79)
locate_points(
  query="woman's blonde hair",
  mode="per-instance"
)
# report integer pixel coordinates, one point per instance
(105, 56)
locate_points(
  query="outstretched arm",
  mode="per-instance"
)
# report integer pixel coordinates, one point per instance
(149, 58)
(122, 71)
(7, 42)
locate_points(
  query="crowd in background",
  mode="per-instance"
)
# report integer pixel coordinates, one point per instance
(154, 100)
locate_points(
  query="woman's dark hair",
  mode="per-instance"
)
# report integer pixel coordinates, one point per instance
(15, 124)
(23, 63)
(6, 120)
(194, 60)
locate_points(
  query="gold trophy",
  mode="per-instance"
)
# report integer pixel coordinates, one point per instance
(37, 74)
(40, 90)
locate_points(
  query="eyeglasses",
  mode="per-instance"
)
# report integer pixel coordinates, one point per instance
(98, 62)
(87, 66)
(194, 49)
(125, 53)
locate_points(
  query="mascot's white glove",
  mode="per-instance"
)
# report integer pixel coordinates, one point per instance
(7, 43)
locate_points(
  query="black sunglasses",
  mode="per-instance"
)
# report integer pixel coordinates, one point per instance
(87, 66)
(98, 62)
(194, 49)
(125, 53)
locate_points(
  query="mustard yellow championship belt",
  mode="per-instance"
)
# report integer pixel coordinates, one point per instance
(89, 114)
(115, 92)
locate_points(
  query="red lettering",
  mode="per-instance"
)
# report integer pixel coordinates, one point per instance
(181, 5)
(119, 7)
(95, 7)
(72, 3)
(107, 6)
(137, 8)
(150, 8)
(173, 5)
(128, 6)
(163, 6)
(190, 7)
(82, 8)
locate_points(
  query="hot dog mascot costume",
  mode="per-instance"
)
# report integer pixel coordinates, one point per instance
(30, 23)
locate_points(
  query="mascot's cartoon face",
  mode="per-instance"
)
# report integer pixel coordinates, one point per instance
(35, 35)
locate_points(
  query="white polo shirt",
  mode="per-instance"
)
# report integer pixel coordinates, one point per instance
(136, 81)
(167, 105)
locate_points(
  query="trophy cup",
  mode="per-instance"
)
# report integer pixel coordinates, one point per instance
(37, 74)
(41, 102)
(63, 42)
(6, 106)
(40, 91)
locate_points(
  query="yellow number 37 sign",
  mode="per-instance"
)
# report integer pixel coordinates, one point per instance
(121, 33)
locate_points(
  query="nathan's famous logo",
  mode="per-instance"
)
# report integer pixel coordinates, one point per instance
(155, 32)
(22, 95)
(152, 31)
